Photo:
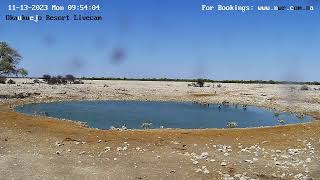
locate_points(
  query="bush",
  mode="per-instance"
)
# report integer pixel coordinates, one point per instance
(70, 78)
(11, 81)
(36, 81)
(46, 77)
(3, 80)
(78, 82)
(304, 88)
(200, 82)
(219, 85)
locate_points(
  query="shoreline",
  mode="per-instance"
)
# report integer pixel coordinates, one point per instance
(84, 124)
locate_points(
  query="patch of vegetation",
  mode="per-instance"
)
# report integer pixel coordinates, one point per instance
(304, 88)
(3, 80)
(9, 60)
(61, 79)
(78, 82)
(205, 80)
(70, 78)
(200, 82)
(10, 81)
(46, 77)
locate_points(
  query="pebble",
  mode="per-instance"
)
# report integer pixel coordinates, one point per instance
(195, 162)
(308, 160)
(82, 152)
(223, 163)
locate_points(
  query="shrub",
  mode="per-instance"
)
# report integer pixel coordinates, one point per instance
(78, 82)
(36, 81)
(304, 88)
(3, 80)
(200, 82)
(11, 81)
(53, 80)
(70, 78)
(46, 77)
(219, 85)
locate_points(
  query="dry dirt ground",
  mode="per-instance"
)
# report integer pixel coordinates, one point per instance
(44, 148)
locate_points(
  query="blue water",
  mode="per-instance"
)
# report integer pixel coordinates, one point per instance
(132, 114)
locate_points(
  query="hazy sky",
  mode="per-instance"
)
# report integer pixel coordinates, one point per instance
(170, 38)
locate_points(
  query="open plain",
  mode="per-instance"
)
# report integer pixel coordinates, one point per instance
(45, 148)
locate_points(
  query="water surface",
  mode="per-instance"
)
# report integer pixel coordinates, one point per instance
(132, 114)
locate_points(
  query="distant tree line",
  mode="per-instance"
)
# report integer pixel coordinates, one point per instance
(60, 79)
(202, 81)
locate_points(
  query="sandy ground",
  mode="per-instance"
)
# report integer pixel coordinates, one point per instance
(43, 148)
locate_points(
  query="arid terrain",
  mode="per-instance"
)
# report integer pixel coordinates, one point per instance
(46, 148)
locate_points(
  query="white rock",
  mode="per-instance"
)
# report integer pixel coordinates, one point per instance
(206, 171)
(204, 155)
(248, 161)
(195, 162)
(223, 163)
(298, 176)
(82, 152)
(308, 160)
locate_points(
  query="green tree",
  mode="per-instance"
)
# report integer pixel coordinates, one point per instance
(23, 72)
(9, 59)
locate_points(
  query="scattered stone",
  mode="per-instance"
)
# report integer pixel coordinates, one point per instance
(223, 163)
(248, 161)
(204, 155)
(195, 162)
(198, 170)
(82, 152)
(58, 144)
